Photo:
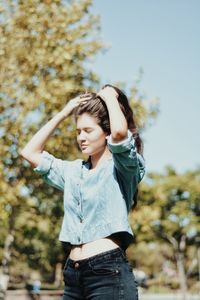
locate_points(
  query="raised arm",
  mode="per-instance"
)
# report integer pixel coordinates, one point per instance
(33, 149)
(118, 123)
(121, 143)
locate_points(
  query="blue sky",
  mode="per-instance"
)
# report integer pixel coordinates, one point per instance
(162, 38)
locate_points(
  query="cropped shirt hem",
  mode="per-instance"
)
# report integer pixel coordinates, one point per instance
(88, 236)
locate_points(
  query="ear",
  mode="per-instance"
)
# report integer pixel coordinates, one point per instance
(106, 140)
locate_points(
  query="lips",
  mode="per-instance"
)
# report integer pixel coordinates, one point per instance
(83, 145)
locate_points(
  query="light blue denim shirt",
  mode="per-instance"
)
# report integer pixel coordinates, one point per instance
(96, 203)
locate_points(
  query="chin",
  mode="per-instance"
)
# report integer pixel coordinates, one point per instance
(86, 151)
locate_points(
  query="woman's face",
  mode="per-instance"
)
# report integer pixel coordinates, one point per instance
(90, 136)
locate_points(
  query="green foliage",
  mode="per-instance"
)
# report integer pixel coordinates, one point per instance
(167, 215)
(45, 46)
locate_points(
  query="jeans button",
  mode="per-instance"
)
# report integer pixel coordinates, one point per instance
(76, 265)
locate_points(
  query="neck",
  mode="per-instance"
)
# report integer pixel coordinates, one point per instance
(98, 158)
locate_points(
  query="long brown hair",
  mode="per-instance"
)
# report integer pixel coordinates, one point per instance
(98, 109)
(128, 113)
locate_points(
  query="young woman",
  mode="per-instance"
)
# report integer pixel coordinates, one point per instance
(98, 193)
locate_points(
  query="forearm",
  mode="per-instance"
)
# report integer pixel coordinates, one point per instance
(38, 141)
(118, 123)
(32, 151)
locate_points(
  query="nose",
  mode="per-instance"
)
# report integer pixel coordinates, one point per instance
(81, 136)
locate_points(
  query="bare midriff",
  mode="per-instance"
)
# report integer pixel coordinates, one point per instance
(93, 248)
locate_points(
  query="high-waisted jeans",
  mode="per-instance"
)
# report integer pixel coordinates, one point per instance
(105, 276)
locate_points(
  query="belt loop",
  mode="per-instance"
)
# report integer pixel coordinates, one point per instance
(66, 263)
(123, 253)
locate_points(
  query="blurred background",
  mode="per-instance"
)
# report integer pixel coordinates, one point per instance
(52, 50)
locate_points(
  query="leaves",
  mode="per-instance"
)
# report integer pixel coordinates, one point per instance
(44, 47)
(45, 50)
(167, 215)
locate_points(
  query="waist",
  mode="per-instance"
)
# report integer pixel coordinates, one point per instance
(116, 255)
(92, 248)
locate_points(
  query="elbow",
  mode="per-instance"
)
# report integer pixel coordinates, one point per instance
(21, 153)
(32, 157)
(24, 154)
(119, 135)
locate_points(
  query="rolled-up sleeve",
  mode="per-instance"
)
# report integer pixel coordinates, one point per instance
(121, 146)
(126, 159)
(52, 170)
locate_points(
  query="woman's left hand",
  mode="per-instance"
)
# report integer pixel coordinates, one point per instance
(107, 94)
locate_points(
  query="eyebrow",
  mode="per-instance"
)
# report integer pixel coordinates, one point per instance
(84, 128)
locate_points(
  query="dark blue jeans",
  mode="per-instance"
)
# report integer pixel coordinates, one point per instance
(105, 276)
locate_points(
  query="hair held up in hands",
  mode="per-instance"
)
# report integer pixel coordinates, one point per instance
(96, 107)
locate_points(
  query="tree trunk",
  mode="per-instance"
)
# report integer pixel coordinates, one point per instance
(198, 258)
(7, 253)
(179, 248)
(182, 275)
(58, 275)
(4, 274)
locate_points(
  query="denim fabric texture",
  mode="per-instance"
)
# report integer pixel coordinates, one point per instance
(96, 204)
(105, 276)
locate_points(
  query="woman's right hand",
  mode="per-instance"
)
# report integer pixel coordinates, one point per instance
(73, 103)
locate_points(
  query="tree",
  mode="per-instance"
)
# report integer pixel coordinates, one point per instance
(169, 212)
(45, 47)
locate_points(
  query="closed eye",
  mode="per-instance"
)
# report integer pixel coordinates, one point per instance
(87, 130)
